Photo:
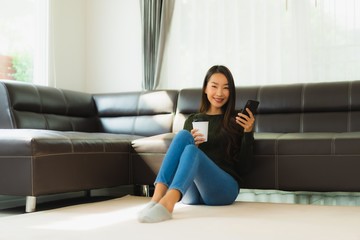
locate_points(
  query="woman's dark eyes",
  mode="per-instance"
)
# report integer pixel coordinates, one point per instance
(217, 87)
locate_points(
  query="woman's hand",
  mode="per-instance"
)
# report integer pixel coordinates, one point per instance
(247, 122)
(198, 137)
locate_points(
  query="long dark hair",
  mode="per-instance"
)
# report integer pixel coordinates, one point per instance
(229, 128)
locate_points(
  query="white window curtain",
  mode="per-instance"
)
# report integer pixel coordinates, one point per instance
(156, 17)
(41, 49)
(263, 41)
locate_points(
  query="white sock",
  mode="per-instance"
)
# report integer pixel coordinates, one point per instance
(147, 207)
(157, 213)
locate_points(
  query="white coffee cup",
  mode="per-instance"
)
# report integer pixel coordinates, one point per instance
(202, 126)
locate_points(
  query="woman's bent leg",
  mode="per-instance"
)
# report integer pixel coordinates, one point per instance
(171, 160)
(186, 167)
(154, 212)
(214, 185)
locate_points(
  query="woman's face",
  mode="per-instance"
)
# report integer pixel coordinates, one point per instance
(217, 91)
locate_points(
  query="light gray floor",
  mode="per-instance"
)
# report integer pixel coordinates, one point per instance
(246, 195)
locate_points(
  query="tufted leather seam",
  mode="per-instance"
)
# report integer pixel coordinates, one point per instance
(137, 113)
(276, 165)
(41, 108)
(276, 150)
(65, 101)
(67, 109)
(302, 108)
(349, 107)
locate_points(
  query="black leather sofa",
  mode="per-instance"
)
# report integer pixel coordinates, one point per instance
(307, 137)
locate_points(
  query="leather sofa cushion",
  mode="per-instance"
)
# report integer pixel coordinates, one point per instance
(39, 107)
(327, 144)
(266, 143)
(137, 113)
(347, 143)
(36, 162)
(37, 142)
(318, 173)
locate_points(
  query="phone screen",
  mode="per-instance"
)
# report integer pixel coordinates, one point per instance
(252, 105)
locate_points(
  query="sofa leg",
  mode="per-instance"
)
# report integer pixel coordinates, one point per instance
(142, 190)
(146, 190)
(30, 204)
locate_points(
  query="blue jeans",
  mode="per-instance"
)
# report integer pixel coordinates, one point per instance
(199, 180)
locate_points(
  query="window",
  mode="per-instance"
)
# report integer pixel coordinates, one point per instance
(24, 40)
(263, 42)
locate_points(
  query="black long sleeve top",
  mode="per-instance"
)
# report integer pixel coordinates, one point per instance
(215, 148)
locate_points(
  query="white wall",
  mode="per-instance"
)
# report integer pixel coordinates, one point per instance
(113, 45)
(96, 45)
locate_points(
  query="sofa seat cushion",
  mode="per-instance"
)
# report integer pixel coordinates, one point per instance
(311, 161)
(315, 161)
(266, 143)
(347, 143)
(37, 142)
(44, 161)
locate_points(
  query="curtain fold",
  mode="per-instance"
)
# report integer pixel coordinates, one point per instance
(156, 18)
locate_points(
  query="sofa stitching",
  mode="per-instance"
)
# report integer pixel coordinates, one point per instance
(276, 164)
(32, 168)
(302, 108)
(41, 107)
(67, 109)
(349, 107)
(137, 113)
(276, 150)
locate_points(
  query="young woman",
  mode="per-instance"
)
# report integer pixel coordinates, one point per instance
(199, 172)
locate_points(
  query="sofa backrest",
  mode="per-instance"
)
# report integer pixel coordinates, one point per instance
(301, 107)
(24, 105)
(189, 102)
(310, 107)
(139, 113)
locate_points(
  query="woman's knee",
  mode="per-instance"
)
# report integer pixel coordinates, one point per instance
(191, 153)
(183, 138)
(184, 134)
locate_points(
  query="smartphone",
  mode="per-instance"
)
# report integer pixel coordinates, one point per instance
(252, 105)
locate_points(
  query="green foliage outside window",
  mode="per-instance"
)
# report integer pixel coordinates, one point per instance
(23, 66)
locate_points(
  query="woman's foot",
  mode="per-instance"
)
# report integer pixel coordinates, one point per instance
(157, 213)
(148, 206)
